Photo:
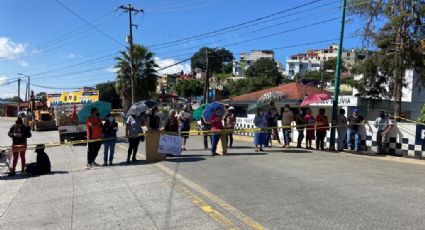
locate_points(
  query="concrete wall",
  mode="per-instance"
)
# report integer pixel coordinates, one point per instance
(405, 139)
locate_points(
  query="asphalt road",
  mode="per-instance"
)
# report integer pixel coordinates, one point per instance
(277, 189)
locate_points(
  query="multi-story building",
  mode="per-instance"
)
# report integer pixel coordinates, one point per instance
(247, 59)
(313, 60)
(166, 83)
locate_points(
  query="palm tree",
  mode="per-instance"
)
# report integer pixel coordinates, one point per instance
(145, 75)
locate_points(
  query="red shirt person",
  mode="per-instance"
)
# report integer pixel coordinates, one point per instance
(94, 136)
(322, 127)
(216, 125)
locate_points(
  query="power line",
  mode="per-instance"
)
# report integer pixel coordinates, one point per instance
(88, 23)
(237, 25)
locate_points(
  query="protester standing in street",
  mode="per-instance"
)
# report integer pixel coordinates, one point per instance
(384, 125)
(109, 131)
(272, 117)
(153, 121)
(260, 137)
(94, 136)
(287, 118)
(206, 128)
(354, 138)
(19, 134)
(311, 122)
(230, 122)
(322, 126)
(300, 121)
(342, 130)
(216, 123)
(133, 132)
(185, 117)
(172, 124)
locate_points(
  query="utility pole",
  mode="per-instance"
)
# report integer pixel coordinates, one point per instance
(337, 77)
(207, 78)
(321, 76)
(28, 88)
(19, 89)
(130, 9)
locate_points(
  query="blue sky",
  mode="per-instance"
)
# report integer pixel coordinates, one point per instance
(44, 40)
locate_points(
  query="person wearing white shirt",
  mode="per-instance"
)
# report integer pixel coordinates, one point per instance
(384, 125)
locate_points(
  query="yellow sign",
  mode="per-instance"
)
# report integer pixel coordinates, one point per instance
(82, 96)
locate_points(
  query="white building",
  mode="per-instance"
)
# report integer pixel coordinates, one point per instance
(247, 59)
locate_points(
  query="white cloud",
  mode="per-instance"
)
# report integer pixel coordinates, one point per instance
(174, 69)
(23, 64)
(9, 49)
(111, 69)
(3, 79)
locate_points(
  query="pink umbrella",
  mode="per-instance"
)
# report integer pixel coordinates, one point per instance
(315, 98)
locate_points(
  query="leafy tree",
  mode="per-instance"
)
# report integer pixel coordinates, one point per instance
(393, 27)
(218, 60)
(145, 75)
(247, 85)
(265, 67)
(422, 116)
(108, 93)
(189, 88)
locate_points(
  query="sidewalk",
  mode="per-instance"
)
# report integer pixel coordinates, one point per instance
(136, 196)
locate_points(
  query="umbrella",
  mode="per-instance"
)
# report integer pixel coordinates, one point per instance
(210, 109)
(315, 98)
(138, 108)
(103, 107)
(253, 108)
(197, 114)
(148, 103)
(272, 96)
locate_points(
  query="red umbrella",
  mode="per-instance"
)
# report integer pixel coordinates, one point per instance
(315, 98)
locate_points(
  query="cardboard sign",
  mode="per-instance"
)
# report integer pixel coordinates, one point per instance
(169, 144)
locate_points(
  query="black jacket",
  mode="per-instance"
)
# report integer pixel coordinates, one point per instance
(23, 130)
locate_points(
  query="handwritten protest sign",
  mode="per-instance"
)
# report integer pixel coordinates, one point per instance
(169, 144)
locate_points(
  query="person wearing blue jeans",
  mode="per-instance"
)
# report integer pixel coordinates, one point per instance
(287, 118)
(354, 138)
(214, 142)
(109, 131)
(216, 123)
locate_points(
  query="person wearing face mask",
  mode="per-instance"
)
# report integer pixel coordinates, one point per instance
(153, 121)
(287, 118)
(19, 134)
(94, 136)
(216, 123)
(133, 131)
(384, 125)
(260, 137)
(109, 131)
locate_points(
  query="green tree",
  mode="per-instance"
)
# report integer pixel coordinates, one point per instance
(265, 67)
(247, 85)
(218, 60)
(422, 116)
(189, 88)
(392, 27)
(145, 75)
(108, 93)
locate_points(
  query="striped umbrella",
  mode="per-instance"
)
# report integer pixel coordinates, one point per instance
(272, 96)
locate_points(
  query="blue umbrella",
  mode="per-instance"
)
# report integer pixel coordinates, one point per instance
(210, 109)
(103, 107)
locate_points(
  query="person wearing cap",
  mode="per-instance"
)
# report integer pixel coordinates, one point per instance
(185, 117)
(42, 165)
(354, 138)
(19, 134)
(230, 122)
(384, 125)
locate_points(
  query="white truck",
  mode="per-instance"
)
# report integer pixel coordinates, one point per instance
(69, 129)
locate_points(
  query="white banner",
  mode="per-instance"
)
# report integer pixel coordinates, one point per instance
(169, 144)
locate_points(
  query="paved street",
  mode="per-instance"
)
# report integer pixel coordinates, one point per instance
(277, 189)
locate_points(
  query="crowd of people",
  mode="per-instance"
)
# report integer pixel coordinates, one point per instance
(315, 128)
(221, 123)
